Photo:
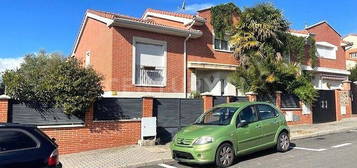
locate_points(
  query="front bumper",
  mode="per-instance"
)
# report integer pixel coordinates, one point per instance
(197, 154)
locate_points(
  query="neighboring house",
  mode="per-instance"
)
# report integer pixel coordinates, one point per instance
(330, 70)
(161, 54)
(351, 52)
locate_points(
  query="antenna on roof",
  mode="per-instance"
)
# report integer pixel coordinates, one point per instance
(183, 6)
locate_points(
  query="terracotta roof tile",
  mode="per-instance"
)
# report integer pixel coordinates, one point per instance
(147, 21)
(183, 15)
(299, 31)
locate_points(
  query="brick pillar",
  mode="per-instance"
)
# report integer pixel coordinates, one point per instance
(251, 96)
(343, 101)
(4, 107)
(278, 99)
(229, 99)
(89, 116)
(207, 102)
(346, 85)
(148, 106)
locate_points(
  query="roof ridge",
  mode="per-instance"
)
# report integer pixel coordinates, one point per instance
(115, 14)
(177, 14)
(321, 22)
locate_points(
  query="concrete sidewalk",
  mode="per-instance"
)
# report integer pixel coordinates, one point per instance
(135, 156)
(306, 131)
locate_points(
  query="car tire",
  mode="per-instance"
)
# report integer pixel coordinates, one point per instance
(283, 142)
(225, 155)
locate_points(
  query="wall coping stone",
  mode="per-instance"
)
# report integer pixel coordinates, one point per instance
(251, 93)
(4, 97)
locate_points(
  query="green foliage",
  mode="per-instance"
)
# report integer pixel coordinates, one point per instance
(195, 95)
(2, 87)
(54, 80)
(221, 18)
(260, 27)
(267, 75)
(353, 76)
(259, 39)
(296, 47)
(304, 89)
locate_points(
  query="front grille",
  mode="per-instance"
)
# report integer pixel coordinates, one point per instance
(184, 141)
(181, 155)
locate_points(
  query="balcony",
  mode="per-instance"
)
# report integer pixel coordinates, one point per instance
(150, 76)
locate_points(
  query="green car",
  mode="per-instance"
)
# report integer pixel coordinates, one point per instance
(231, 130)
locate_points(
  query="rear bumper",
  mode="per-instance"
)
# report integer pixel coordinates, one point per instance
(197, 154)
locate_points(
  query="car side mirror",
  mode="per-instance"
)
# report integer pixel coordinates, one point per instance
(242, 123)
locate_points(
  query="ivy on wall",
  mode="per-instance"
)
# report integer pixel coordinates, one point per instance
(296, 47)
(221, 18)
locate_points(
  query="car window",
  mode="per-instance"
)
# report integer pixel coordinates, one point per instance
(265, 111)
(12, 139)
(248, 114)
(217, 116)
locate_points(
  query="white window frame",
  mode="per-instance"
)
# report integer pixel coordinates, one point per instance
(148, 41)
(226, 38)
(353, 55)
(328, 45)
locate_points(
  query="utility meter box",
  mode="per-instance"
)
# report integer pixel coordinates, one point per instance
(148, 127)
(289, 116)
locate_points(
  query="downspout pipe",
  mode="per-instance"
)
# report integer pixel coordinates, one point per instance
(185, 59)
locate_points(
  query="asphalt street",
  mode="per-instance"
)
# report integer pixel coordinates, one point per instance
(329, 151)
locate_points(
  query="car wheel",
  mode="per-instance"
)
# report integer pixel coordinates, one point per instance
(283, 143)
(225, 155)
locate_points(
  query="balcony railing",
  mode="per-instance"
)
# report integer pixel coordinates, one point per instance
(150, 75)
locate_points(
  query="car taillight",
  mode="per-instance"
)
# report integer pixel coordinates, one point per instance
(53, 159)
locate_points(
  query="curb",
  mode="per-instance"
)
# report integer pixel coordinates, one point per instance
(156, 162)
(323, 133)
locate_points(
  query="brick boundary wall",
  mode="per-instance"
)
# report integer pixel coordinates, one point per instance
(106, 134)
(90, 136)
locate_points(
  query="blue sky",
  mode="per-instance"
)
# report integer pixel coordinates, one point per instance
(27, 26)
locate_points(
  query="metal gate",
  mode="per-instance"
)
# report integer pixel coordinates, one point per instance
(354, 98)
(324, 108)
(217, 100)
(173, 114)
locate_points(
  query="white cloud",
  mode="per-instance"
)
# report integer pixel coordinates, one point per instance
(10, 63)
(193, 8)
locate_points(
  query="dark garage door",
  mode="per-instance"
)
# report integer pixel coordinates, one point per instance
(173, 114)
(324, 108)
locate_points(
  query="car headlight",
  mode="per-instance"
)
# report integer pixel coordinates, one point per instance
(203, 140)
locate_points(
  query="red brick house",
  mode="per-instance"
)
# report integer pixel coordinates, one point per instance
(162, 54)
(330, 70)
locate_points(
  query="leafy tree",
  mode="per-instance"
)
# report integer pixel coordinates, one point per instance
(353, 76)
(2, 87)
(55, 81)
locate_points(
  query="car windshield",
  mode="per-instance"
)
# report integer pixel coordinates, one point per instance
(217, 116)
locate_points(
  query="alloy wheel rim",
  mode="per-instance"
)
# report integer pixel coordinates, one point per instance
(226, 155)
(284, 142)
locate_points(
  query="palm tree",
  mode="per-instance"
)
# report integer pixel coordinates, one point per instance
(260, 27)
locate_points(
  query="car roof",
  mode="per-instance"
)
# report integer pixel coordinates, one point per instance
(241, 104)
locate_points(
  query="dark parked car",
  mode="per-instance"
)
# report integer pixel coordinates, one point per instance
(25, 146)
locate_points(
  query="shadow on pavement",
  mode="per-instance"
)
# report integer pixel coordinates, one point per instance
(242, 158)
